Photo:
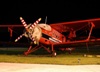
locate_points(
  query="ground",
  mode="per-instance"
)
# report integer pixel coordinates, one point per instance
(18, 67)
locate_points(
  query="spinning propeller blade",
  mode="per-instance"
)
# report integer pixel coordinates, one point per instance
(19, 37)
(28, 29)
(35, 23)
(24, 24)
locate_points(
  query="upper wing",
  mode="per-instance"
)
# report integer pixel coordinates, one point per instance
(9, 25)
(76, 25)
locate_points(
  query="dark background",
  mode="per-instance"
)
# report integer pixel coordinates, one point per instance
(55, 10)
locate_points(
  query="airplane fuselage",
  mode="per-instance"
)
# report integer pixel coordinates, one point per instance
(51, 37)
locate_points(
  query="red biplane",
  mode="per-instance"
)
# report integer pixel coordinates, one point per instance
(63, 36)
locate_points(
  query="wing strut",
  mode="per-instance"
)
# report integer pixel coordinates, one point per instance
(88, 38)
(92, 25)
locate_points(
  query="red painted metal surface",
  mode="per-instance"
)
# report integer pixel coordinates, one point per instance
(76, 25)
(54, 37)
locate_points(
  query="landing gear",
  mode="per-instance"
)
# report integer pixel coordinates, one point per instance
(30, 49)
(53, 51)
(54, 54)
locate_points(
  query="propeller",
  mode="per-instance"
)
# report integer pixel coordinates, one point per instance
(24, 24)
(19, 37)
(28, 28)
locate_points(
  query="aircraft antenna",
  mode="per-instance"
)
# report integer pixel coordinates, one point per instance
(46, 20)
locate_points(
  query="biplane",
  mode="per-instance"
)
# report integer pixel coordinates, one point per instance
(62, 36)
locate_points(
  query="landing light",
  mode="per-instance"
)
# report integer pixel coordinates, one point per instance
(34, 42)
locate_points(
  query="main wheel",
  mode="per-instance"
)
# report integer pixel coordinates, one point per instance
(54, 54)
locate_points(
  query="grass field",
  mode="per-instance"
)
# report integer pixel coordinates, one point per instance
(15, 55)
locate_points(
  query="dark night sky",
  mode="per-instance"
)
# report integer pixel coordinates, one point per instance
(55, 10)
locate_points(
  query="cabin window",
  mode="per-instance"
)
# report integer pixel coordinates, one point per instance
(45, 36)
